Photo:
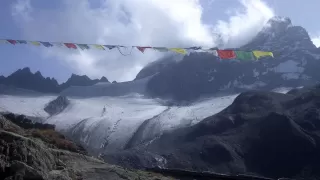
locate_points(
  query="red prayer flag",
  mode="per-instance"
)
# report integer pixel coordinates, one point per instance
(226, 54)
(142, 48)
(70, 45)
(12, 41)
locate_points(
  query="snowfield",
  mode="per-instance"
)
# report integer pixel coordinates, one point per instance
(27, 105)
(124, 117)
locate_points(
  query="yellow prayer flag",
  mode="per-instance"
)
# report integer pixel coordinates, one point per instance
(259, 54)
(178, 50)
(35, 43)
(99, 46)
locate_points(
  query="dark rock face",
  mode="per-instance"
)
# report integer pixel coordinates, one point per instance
(201, 74)
(56, 106)
(262, 133)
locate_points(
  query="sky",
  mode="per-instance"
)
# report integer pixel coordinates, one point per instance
(171, 23)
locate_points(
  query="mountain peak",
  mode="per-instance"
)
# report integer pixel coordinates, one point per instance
(277, 25)
(279, 20)
(38, 73)
(103, 79)
(279, 35)
(23, 70)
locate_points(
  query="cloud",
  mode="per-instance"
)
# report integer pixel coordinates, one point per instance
(243, 24)
(22, 8)
(131, 22)
(316, 40)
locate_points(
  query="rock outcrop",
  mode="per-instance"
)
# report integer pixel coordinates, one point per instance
(57, 106)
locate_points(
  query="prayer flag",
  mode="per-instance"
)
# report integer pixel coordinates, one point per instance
(178, 50)
(12, 41)
(243, 55)
(98, 46)
(226, 54)
(46, 44)
(22, 42)
(110, 46)
(36, 43)
(70, 45)
(259, 54)
(142, 49)
(83, 46)
(161, 49)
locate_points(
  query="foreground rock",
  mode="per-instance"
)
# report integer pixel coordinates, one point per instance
(26, 156)
(262, 133)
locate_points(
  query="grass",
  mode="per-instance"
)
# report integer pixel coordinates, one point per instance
(55, 139)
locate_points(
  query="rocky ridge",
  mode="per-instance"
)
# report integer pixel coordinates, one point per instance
(25, 79)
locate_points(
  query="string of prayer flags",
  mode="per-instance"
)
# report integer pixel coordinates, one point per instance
(125, 50)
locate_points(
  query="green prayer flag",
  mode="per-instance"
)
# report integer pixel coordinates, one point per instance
(243, 55)
(161, 49)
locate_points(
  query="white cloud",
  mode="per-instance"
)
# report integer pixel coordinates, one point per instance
(171, 23)
(244, 24)
(316, 41)
(22, 8)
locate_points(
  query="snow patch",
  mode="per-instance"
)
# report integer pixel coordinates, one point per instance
(289, 66)
(27, 105)
(316, 56)
(289, 76)
(252, 86)
(211, 79)
(255, 73)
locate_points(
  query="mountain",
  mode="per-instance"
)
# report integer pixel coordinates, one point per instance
(25, 79)
(76, 80)
(157, 66)
(281, 37)
(201, 74)
(261, 133)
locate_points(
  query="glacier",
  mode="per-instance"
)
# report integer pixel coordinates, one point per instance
(127, 120)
